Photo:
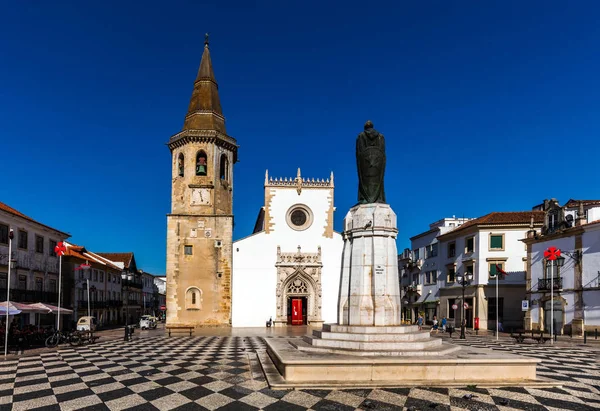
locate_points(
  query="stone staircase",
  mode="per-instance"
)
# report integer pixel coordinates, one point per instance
(374, 341)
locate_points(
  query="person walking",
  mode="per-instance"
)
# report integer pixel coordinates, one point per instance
(444, 322)
(420, 322)
(436, 324)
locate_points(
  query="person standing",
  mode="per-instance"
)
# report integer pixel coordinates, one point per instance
(420, 322)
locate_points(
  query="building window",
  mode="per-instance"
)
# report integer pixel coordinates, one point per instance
(180, 164)
(3, 234)
(95, 275)
(416, 253)
(431, 250)
(415, 278)
(23, 239)
(492, 309)
(496, 242)
(193, 299)
(101, 276)
(451, 274)
(452, 249)
(39, 244)
(188, 249)
(201, 164)
(224, 168)
(52, 287)
(39, 284)
(469, 269)
(51, 246)
(3, 280)
(493, 267)
(469, 244)
(430, 277)
(22, 282)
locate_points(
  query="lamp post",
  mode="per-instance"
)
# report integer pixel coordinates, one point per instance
(464, 281)
(11, 235)
(124, 279)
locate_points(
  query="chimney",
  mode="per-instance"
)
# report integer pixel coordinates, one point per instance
(581, 218)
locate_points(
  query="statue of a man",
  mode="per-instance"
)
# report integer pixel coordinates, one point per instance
(370, 162)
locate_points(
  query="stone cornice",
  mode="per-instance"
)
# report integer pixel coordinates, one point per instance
(202, 136)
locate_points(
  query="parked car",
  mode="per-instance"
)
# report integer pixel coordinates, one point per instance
(87, 324)
(147, 322)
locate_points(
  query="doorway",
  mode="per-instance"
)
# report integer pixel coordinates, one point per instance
(296, 311)
(558, 316)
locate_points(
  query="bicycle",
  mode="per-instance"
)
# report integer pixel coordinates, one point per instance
(57, 337)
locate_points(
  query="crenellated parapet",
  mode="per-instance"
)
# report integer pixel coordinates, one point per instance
(298, 182)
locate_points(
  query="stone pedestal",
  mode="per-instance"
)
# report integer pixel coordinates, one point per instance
(369, 288)
(577, 327)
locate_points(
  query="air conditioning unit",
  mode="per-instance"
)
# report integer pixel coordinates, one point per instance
(218, 243)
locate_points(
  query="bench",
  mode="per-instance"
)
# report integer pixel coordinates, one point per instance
(521, 335)
(179, 328)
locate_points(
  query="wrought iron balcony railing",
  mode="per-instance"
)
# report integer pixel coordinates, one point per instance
(547, 283)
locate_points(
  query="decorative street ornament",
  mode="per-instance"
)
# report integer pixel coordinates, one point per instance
(60, 249)
(552, 253)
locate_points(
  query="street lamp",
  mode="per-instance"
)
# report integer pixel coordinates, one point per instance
(464, 281)
(11, 235)
(123, 283)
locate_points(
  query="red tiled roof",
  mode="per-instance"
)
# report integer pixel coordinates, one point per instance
(502, 218)
(8, 209)
(575, 203)
(124, 258)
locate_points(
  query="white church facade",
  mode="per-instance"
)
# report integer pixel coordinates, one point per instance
(288, 270)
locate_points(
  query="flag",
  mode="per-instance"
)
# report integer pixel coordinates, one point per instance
(500, 271)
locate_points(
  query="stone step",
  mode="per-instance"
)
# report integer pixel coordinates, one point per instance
(416, 336)
(374, 345)
(366, 329)
(439, 350)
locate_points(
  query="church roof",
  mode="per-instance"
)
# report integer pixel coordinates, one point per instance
(260, 221)
(575, 203)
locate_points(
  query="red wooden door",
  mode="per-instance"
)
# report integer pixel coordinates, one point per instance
(297, 311)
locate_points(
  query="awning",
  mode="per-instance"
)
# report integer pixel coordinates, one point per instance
(50, 309)
(25, 308)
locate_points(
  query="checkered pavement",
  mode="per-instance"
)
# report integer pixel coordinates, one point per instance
(197, 373)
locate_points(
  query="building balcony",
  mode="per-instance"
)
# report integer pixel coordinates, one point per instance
(30, 296)
(115, 303)
(546, 283)
(131, 284)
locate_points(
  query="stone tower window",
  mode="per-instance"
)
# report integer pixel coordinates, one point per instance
(201, 164)
(193, 299)
(224, 168)
(180, 164)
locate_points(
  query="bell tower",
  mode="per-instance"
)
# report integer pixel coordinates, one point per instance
(200, 225)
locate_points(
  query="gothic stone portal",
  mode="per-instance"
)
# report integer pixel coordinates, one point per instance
(299, 288)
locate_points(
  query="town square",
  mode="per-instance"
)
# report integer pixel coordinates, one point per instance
(425, 238)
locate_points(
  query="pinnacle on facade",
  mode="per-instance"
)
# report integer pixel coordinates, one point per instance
(204, 111)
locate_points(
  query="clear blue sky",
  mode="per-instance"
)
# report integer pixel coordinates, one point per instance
(485, 106)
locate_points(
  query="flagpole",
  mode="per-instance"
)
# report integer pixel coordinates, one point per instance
(551, 302)
(497, 274)
(59, 287)
(10, 238)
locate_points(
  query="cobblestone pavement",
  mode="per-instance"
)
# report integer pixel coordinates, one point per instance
(221, 372)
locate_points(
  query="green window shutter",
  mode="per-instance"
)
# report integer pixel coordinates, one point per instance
(493, 270)
(496, 241)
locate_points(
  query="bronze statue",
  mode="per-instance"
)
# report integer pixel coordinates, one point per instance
(370, 162)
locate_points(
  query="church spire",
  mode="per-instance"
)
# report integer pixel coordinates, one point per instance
(204, 111)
